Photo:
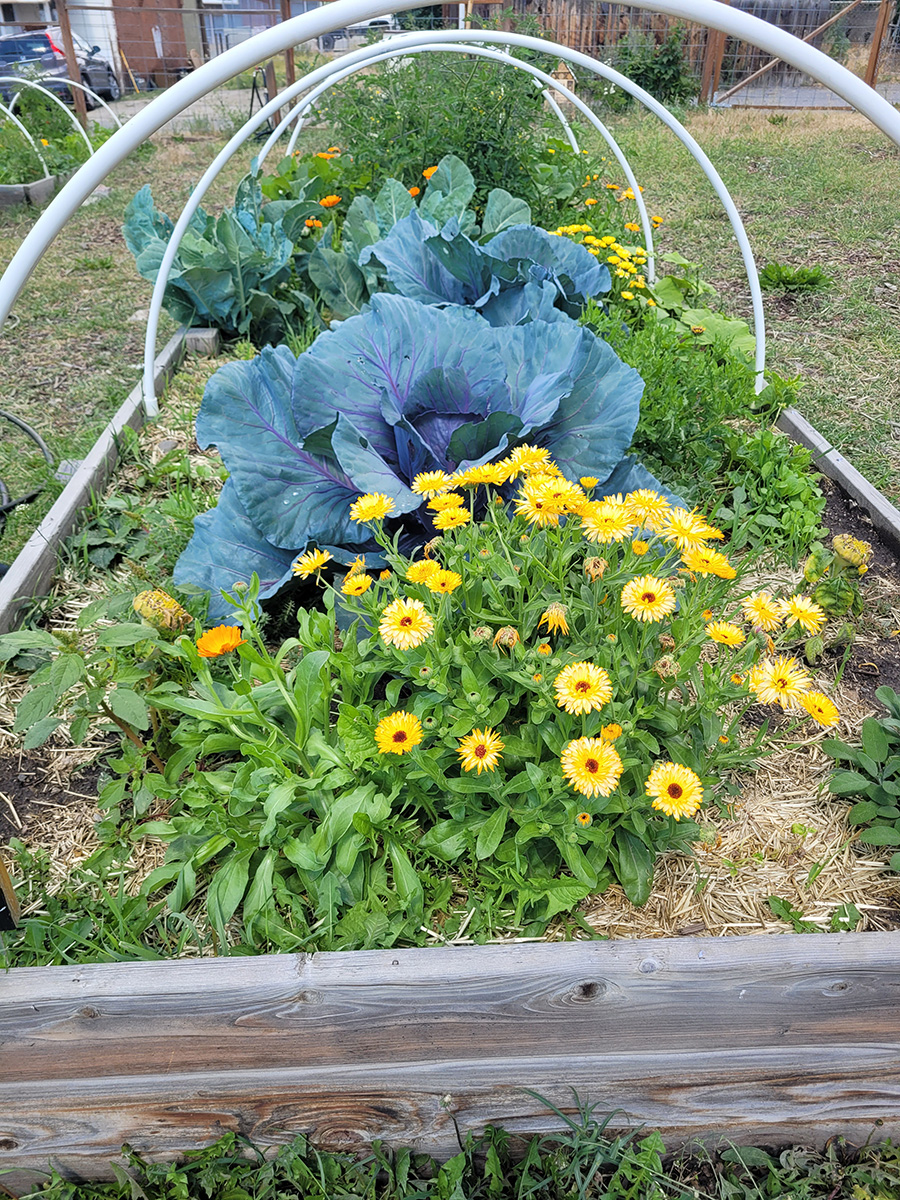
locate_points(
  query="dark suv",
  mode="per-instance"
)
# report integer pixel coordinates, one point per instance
(39, 55)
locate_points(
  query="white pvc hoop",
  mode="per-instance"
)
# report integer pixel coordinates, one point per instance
(69, 83)
(341, 13)
(15, 120)
(56, 100)
(464, 38)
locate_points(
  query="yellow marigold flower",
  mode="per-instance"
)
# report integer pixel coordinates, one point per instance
(419, 572)
(582, 688)
(446, 500)
(651, 303)
(355, 585)
(384, 575)
(430, 483)
(374, 506)
(632, 227)
(627, 295)
(451, 518)
(592, 766)
(506, 637)
(220, 640)
(688, 530)
(703, 561)
(820, 708)
(605, 521)
(555, 619)
(310, 562)
(330, 201)
(537, 677)
(648, 508)
(398, 733)
(588, 481)
(609, 733)
(725, 633)
(677, 790)
(443, 581)
(737, 680)
(414, 191)
(780, 681)
(640, 547)
(545, 648)
(583, 819)
(480, 751)
(762, 611)
(648, 598)
(805, 612)
(428, 172)
(405, 623)
(162, 611)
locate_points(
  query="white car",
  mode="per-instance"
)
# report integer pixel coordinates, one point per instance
(340, 39)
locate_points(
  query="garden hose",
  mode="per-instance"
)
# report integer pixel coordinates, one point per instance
(7, 503)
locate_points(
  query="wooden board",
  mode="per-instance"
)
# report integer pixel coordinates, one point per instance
(757, 1039)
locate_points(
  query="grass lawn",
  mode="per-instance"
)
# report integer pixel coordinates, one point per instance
(814, 188)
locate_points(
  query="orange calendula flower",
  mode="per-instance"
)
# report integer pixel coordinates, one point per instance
(583, 819)
(330, 201)
(414, 191)
(677, 790)
(480, 751)
(221, 640)
(384, 575)
(555, 619)
(428, 172)
(313, 223)
(398, 733)
(405, 624)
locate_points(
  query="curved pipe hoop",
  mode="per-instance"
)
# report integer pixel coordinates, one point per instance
(82, 88)
(15, 120)
(56, 100)
(341, 13)
(366, 55)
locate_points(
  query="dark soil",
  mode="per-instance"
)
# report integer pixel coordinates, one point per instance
(25, 784)
(875, 660)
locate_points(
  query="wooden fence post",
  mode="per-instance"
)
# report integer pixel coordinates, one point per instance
(881, 24)
(72, 67)
(290, 73)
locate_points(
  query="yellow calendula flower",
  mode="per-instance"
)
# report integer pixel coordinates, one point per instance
(805, 612)
(677, 790)
(419, 572)
(446, 500)
(398, 733)
(632, 227)
(384, 575)
(583, 819)
(640, 547)
(374, 506)
(545, 648)
(700, 560)
(555, 618)
(627, 295)
(820, 708)
(780, 681)
(480, 751)
(221, 640)
(605, 522)
(582, 688)
(725, 633)
(443, 581)
(355, 585)
(592, 766)
(588, 481)
(405, 623)
(762, 611)
(609, 733)
(429, 483)
(648, 508)
(451, 518)
(688, 529)
(310, 562)
(162, 611)
(526, 458)
(488, 473)
(648, 598)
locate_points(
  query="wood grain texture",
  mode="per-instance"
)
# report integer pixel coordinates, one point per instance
(767, 1038)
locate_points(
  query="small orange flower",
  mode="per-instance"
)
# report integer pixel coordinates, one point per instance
(313, 223)
(220, 640)
(583, 819)
(414, 191)
(428, 172)
(545, 649)
(330, 201)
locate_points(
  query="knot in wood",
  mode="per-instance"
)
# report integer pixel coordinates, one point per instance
(309, 996)
(8, 1143)
(591, 990)
(839, 985)
(649, 966)
(89, 1011)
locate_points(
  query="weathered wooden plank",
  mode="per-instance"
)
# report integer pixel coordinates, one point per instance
(766, 1038)
(143, 1018)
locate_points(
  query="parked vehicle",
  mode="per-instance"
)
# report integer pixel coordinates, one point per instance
(39, 55)
(340, 39)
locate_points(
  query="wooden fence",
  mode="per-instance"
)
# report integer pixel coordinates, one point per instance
(756, 1039)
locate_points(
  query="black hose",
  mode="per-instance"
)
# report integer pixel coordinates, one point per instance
(7, 504)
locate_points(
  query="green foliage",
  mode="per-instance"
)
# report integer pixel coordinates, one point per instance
(779, 277)
(873, 775)
(61, 146)
(659, 67)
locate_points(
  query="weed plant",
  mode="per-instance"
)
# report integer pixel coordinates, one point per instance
(62, 147)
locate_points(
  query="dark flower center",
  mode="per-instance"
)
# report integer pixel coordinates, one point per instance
(406, 621)
(582, 686)
(675, 790)
(592, 765)
(400, 736)
(480, 750)
(649, 597)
